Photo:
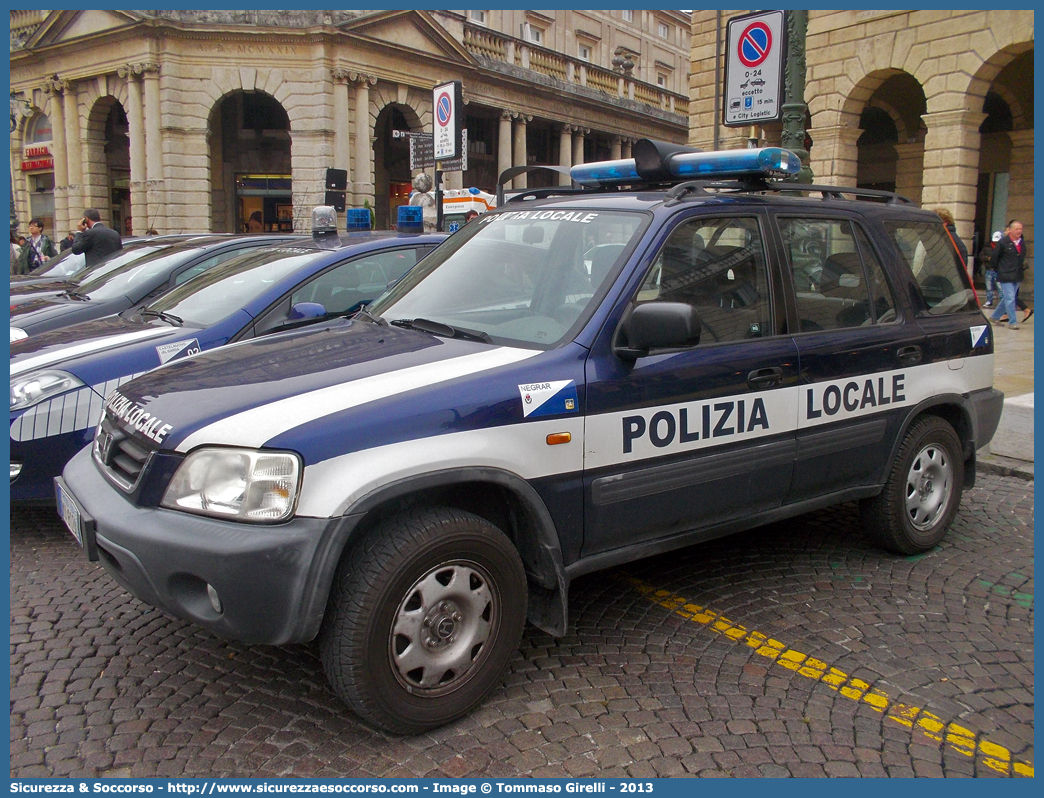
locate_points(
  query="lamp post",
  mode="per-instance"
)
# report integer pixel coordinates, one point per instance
(794, 107)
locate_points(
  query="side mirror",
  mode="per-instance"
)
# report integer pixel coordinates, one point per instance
(657, 325)
(306, 310)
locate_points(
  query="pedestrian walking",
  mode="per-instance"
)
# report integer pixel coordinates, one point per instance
(1009, 259)
(16, 252)
(97, 241)
(951, 228)
(38, 248)
(986, 259)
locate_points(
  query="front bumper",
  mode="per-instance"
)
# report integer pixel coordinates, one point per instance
(41, 460)
(271, 581)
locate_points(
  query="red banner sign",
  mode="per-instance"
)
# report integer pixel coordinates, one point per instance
(41, 163)
(37, 152)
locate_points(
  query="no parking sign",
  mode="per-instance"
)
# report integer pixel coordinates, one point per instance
(446, 101)
(755, 48)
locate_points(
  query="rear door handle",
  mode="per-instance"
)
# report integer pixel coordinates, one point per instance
(765, 378)
(909, 355)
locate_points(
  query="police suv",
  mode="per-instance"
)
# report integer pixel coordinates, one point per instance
(678, 350)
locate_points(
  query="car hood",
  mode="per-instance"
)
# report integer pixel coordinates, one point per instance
(300, 389)
(100, 349)
(40, 285)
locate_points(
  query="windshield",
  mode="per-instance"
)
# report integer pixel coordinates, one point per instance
(213, 295)
(61, 265)
(115, 261)
(518, 276)
(133, 272)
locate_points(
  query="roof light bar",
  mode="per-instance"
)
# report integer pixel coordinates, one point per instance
(762, 162)
(605, 173)
(658, 161)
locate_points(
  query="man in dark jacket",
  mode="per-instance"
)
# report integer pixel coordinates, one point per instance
(97, 242)
(1009, 258)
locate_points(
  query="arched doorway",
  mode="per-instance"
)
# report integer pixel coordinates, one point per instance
(250, 172)
(38, 167)
(117, 163)
(107, 166)
(1005, 184)
(891, 144)
(391, 163)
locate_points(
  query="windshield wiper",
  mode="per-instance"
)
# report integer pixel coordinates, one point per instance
(170, 318)
(76, 296)
(364, 313)
(443, 330)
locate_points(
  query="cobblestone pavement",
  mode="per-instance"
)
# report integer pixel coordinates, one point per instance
(102, 684)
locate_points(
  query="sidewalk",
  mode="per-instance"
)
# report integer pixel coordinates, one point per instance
(1010, 453)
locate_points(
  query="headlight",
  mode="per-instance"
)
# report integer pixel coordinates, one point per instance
(17, 334)
(237, 484)
(28, 389)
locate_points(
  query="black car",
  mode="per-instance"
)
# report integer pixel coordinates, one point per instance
(683, 349)
(131, 283)
(68, 270)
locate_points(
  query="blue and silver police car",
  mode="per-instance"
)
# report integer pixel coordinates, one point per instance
(681, 349)
(59, 379)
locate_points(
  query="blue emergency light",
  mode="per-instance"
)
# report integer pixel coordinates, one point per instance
(605, 173)
(764, 162)
(411, 219)
(357, 219)
(658, 161)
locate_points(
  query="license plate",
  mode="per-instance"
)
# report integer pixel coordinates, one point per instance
(79, 522)
(70, 513)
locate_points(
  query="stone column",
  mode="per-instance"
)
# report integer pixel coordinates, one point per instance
(1020, 195)
(504, 144)
(909, 170)
(615, 148)
(565, 152)
(521, 156)
(136, 130)
(951, 165)
(154, 187)
(341, 151)
(72, 146)
(835, 157)
(578, 145)
(364, 189)
(19, 185)
(625, 148)
(62, 214)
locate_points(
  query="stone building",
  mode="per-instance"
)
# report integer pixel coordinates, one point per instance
(936, 105)
(192, 120)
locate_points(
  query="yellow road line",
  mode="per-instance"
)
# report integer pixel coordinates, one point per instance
(956, 737)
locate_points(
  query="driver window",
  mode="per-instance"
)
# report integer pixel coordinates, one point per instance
(830, 284)
(350, 285)
(718, 267)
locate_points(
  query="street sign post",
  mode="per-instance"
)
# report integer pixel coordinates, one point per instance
(755, 46)
(449, 117)
(422, 151)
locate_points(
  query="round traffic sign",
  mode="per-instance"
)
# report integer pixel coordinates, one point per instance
(443, 108)
(755, 43)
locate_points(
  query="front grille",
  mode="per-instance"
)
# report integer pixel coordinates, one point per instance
(122, 460)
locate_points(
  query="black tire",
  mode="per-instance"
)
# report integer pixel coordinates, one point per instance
(424, 616)
(922, 492)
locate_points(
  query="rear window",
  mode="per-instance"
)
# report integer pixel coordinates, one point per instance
(935, 264)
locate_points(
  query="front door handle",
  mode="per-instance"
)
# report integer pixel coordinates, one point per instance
(765, 378)
(909, 355)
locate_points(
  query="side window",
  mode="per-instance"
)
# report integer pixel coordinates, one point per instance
(717, 266)
(203, 265)
(882, 299)
(829, 283)
(935, 264)
(347, 286)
